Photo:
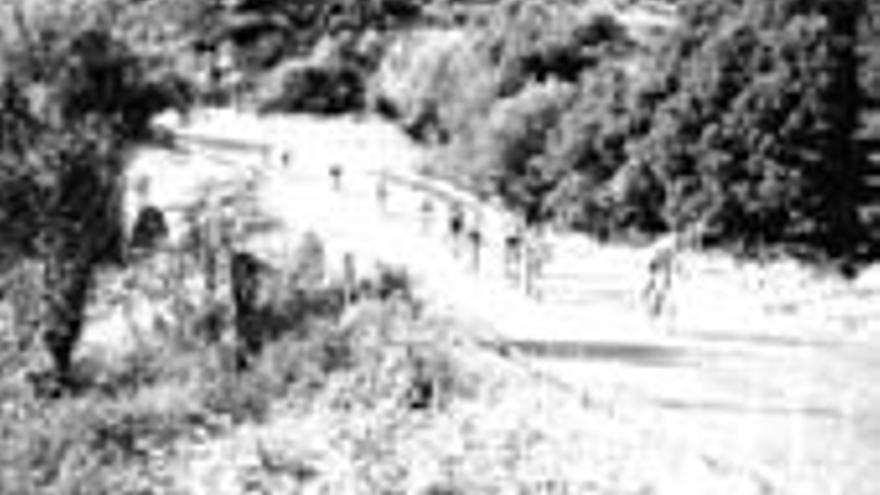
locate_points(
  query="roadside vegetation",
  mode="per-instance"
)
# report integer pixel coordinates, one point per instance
(739, 125)
(184, 375)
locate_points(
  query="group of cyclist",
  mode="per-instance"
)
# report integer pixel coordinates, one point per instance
(466, 232)
(525, 249)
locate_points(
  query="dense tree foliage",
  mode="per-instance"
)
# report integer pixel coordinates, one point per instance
(270, 30)
(739, 127)
(71, 100)
(515, 138)
(755, 140)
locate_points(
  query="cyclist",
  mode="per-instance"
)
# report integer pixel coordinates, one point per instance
(664, 265)
(382, 192)
(456, 226)
(475, 237)
(514, 238)
(336, 176)
(537, 254)
(427, 210)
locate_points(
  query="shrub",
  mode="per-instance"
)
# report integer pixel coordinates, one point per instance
(434, 81)
(272, 301)
(75, 98)
(586, 149)
(86, 445)
(393, 281)
(515, 140)
(309, 264)
(537, 41)
(442, 83)
(323, 90)
(244, 397)
(434, 379)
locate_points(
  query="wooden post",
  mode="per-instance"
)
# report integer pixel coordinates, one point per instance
(456, 228)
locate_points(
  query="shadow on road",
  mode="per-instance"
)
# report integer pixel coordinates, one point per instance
(734, 337)
(629, 353)
(685, 405)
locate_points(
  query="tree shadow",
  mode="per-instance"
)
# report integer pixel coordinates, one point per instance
(766, 340)
(629, 353)
(735, 408)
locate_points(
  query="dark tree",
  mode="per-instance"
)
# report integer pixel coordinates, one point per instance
(752, 136)
(73, 103)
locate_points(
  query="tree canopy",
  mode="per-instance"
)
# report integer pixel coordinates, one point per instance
(740, 125)
(73, 97)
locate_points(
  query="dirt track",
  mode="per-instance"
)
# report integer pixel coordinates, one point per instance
(765, 370)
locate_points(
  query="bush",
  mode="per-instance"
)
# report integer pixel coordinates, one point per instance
(442, 83)
(88, 445)
(323, 90)
(434, 379)
(239, 398)
(74, 98)
(309, 264)
(511, 150)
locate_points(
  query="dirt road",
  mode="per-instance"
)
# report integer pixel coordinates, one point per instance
(765, 370)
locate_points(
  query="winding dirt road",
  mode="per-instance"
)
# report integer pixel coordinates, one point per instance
(766, 371)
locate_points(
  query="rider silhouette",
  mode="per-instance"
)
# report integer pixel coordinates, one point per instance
(475, 236)
(456, 226)
(336, 176)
